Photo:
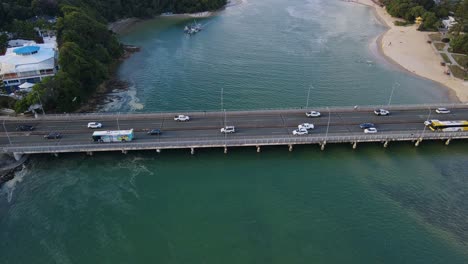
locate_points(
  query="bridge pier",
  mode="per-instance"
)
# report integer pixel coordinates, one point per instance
(89, 153)
(17, 156)
(290, 148)
(354, 145)
(417, 142)
(192, 151)
(225, 150)
(385, 144)
(447, 142)
(322, 146)
(258, 149)
(124, 151)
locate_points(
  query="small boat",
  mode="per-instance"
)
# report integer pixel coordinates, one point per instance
(193, 28)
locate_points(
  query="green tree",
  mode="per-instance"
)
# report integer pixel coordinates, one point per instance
(430, 21)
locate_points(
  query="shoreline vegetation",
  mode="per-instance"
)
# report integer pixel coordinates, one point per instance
(88, 51)
(123, 25)
(407, 48)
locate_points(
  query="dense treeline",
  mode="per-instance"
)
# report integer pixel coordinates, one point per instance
(87, 48)
(459, 43)
(411, 9)
(115, 9)
(432, 14)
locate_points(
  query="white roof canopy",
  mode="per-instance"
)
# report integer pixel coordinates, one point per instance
(26, 85)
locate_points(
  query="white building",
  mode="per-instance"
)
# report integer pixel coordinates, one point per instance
(448, 23)
(29, 63)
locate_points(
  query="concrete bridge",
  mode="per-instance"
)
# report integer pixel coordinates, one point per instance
(254, 129)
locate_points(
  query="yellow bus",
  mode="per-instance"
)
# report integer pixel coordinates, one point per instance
(447, 126)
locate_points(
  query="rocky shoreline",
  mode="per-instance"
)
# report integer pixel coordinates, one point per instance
(103, 94)
(9, 166)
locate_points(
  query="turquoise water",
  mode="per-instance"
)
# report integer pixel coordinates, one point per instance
(370, 205)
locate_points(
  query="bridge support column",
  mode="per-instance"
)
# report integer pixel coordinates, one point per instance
(354, 145)
(447, 142)
(225, 150)
(417, 142)
(192, 151)
(385, 144)
(322, 146)
(124, 151)
(290, 148)
(17, 156)
(158, 150)
(89, 153)
(258, 149)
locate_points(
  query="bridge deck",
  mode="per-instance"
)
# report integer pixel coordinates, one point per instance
(254, 128)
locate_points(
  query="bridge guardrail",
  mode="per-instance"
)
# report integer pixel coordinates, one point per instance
(232, 142)
(167, 114)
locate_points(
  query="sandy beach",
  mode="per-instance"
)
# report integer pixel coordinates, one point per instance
(408, 48)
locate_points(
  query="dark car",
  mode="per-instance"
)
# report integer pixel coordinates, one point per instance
(53, 135)
(24, 128)
(154, 132)
(366, 125)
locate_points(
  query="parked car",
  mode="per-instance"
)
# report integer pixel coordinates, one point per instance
(300, 131)
(228, 129)
(312, 114)
(24, 128)
(181, 118)
(366, 125)
(370, 130)
(442, 110)
(154, 132)
(306, 126)
(53, 135)
(381, 112)
(94, 125)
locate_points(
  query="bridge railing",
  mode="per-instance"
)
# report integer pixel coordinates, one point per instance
(198, 113)
(231, 142)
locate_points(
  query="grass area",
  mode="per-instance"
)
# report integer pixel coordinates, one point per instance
(401, 23)
(461, 59)
(439, 46)
(435, 37)
(445, 57)
(458, 72)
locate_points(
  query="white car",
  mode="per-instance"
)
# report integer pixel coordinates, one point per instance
(228, 129)
(312, 114)
(442, 110)
(382, 112)
(428, 122)
(300, 131)
(370, 130)
(94, 125)
(306, 126)
(181, 118)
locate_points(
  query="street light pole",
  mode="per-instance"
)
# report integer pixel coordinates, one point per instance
(222, 99)
(308, 95)
(391, 94)
(118, 124)
(328, 124)
(6, 131)
(42, 107)
(428, 117)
